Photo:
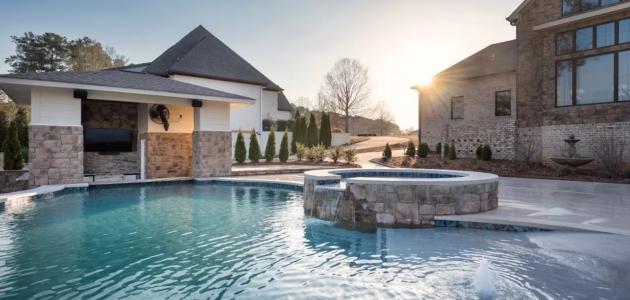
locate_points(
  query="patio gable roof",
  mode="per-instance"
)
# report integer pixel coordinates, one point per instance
(121, 80)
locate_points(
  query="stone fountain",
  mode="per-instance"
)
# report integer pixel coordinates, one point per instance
(572, 160)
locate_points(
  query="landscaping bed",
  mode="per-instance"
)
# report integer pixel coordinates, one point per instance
(505, 168)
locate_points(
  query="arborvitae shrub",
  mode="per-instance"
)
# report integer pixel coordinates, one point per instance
(486, 153)
(423, 150)
(254, 148)
(447, 150)
(325, 132)
(296, 132)
(284, 148)
(387, 153)
(240, 153)
(411, 150)
(438, 148)
(452, 153)
(13, 159)
(270, 148)
(313, 135)
(479, 152)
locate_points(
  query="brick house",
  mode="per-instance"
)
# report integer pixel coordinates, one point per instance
(567, 73)
(172, 117)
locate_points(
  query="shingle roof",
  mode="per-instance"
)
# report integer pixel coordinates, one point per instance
(283, 103)
(201, 54)
(125, 79)
(494, 59)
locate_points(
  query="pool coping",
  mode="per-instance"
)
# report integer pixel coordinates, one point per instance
(465, 221)
(464, 177)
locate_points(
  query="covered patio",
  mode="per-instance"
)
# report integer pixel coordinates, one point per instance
(123, 124)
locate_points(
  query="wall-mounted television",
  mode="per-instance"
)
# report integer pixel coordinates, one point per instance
(107, 140)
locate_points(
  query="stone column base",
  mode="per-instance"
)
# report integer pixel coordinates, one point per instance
(167, 154)
(55, 154)
(212, 152)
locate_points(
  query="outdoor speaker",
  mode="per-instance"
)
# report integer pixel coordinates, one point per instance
(197, 103)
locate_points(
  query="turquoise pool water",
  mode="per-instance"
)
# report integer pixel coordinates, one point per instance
(212, 241)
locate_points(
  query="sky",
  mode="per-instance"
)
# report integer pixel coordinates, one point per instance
(294, 43)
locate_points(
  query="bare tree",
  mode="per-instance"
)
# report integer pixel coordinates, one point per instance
(383, 115)
(346, 85)
(302, 102)
(323, 103)
(609, 150)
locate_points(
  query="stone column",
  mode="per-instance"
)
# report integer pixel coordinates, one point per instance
(55, 154)
(212, 141)
(212, 153)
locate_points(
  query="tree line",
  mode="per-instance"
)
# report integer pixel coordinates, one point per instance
(51, 52)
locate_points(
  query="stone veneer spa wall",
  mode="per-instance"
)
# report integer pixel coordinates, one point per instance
(388, 201)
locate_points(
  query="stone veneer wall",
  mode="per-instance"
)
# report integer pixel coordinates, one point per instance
(385, 205)
(212, 153)
(113, 115)
(168, 154)
(55, 154)
(479, 125)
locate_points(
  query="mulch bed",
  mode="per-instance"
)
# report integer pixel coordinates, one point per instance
(295, 162)
(505, 168)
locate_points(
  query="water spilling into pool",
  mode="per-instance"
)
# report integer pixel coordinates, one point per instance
(208, 241)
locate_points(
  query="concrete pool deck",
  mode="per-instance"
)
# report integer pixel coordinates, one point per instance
(553, 204)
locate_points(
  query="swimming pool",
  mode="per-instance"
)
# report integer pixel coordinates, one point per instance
(207, 241)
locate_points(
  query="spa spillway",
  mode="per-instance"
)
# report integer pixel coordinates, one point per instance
(396, 197)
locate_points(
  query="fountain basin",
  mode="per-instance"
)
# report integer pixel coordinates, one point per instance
(572, 161)
(396, 197)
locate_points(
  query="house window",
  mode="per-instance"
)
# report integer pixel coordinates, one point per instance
(457, 108)
(571, 7)
(624, 76)
(594, 79)
(564, 43)
(564, 83)
(624, 31)
(584, 39)
(503, 103)
(605, 35)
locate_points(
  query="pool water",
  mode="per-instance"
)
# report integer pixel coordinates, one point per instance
(215, 241)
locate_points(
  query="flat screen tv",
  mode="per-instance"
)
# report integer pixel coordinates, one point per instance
(107, 140)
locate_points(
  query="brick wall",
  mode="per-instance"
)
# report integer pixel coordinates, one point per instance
(479, 125)
(168, 154)
(55, 154)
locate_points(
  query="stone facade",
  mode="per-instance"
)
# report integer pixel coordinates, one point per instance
(479, 125)
(168, 154)
(55, 154)
(211, 153)
(112, 115)
(386, 205)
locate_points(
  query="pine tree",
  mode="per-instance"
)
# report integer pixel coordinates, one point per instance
(240, 153)
(284, 148)
(13, 159)
(325, 132)
(296, 132)
(254, 148)
(270, 148)
(312, 138)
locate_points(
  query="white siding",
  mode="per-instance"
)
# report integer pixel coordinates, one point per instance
(54, 106)
(212, 117)
(244, 118)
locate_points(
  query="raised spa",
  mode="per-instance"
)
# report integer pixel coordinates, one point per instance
(396, 197)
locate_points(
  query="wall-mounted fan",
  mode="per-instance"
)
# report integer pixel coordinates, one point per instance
(159, 114)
